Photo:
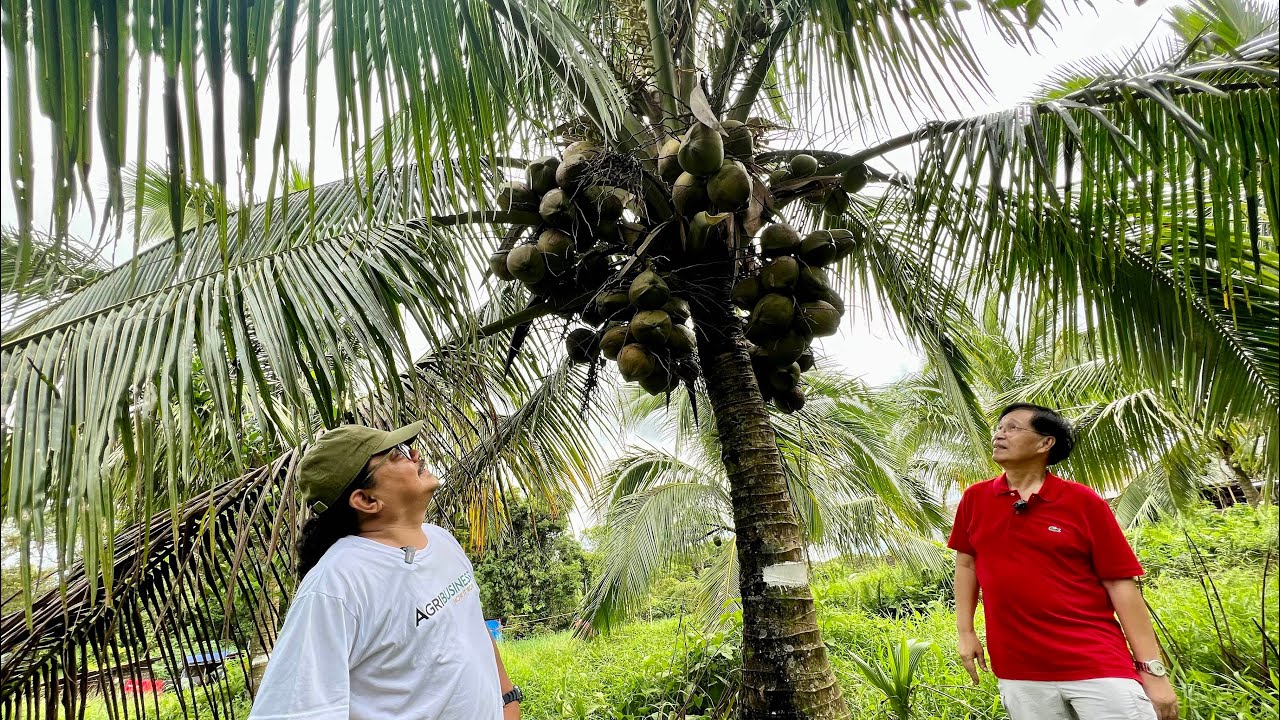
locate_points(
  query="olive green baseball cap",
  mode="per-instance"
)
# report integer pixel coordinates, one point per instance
(333, 463)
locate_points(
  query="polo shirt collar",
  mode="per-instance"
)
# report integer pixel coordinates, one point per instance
(1050, 490)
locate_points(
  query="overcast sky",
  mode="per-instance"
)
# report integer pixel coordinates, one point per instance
(867, 347)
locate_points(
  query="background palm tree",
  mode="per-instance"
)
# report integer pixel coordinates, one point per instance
(294, 306)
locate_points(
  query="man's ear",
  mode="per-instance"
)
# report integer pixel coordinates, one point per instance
(362, 501)
(1050, 440)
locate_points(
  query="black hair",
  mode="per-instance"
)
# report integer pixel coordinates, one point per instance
(1050, 423)
(323, 530)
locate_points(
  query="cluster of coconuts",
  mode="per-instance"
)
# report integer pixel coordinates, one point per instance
(582, 229)
(790, 302)
(834, 200)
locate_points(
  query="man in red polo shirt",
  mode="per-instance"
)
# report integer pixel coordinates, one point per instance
(1055, 573)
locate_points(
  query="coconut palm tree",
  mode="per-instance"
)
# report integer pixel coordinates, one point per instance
(663, 503)
(295, 306)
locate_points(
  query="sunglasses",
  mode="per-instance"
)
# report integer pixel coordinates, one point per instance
(397, 451)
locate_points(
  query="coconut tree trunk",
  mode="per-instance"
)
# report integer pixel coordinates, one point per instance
(786, 672)
(1243, 481)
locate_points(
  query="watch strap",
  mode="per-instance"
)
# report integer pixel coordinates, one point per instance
(512, 695)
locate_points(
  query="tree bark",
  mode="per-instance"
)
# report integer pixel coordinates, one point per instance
(1243, 481)
(786, 672)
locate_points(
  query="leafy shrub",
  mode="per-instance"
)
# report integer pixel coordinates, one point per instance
(1239, 536)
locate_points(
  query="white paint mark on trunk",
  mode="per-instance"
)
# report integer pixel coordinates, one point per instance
(787, 574)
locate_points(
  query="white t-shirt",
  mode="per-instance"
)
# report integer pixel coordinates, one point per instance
(371, 637)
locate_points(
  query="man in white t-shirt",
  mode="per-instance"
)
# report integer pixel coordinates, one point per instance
(386, 623)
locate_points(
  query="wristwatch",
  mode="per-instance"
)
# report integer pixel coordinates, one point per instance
(1154, 667)
(512, 695)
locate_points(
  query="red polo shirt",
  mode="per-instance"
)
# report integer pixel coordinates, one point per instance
(1040, 570)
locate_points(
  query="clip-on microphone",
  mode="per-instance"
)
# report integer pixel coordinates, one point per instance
(408, 554)
(1018, 505)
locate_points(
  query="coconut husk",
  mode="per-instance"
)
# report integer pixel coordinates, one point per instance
(611, 304)
(582, 346)
(659, 381)
(613, 338)
(498, 266)
(541, 174)
(514, 196)
(771, 317)
(818, 248)
(678, 309)
(779, 239)
(784, 378)
(812, 284)
(837, 203)
(786, 349)
(575, 165)
(651, 327)
(557, 209)
(806, 361)
(668, 163)
(689, 195)
(525, 264)
(730, 188)
(846, 242)
(820, 317)
(855, 178)
(683, 341)
(649, 291)
(803, 165)
(701, 151)
(780, 274)
(790, 401)
(740, 144)
(635, 362)
(746, 292)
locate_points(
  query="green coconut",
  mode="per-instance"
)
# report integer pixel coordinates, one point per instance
(525, 264)
(780, 274)
(651, 327)
(820, 317)
(635, 362)
(659, 381)
(771, 317)
(786, 349)
(790, 401)
(746, 291)
(730, 188)
(846, 242)
(541, 174)
(582, 346)
(701, 151)
(740, 145)
(806, 361)
(689, 195)
(803, 165)
(556, 248)
(573, 168)
(612, 339)
(785, 377)
(612, 304)
(818, 248)
(668, 164)
(855, 178)
(779, 239)
(590, 315)
(514, 196)
(649, 291)
(678, 309)
(683, 341)
(837, 203)
(498, 266)
(556, 208)
(812, 284)
(706, 230)
(779, 176)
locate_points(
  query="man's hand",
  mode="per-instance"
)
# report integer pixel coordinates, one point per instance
(511, 711)
(972, 655)
(1162, 696)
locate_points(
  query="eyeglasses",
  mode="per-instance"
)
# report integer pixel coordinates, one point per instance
(1013, 429)
(399, 450)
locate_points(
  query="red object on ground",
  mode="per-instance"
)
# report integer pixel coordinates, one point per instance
(144, 685)
(1040, 569)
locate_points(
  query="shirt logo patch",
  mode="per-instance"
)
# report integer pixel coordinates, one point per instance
(1055, 528)
(452, 593)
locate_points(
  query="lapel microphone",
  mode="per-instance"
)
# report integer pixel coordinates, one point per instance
(1018, 506)
(409, 552)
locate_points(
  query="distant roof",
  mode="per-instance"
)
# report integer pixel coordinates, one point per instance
(216, 656)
